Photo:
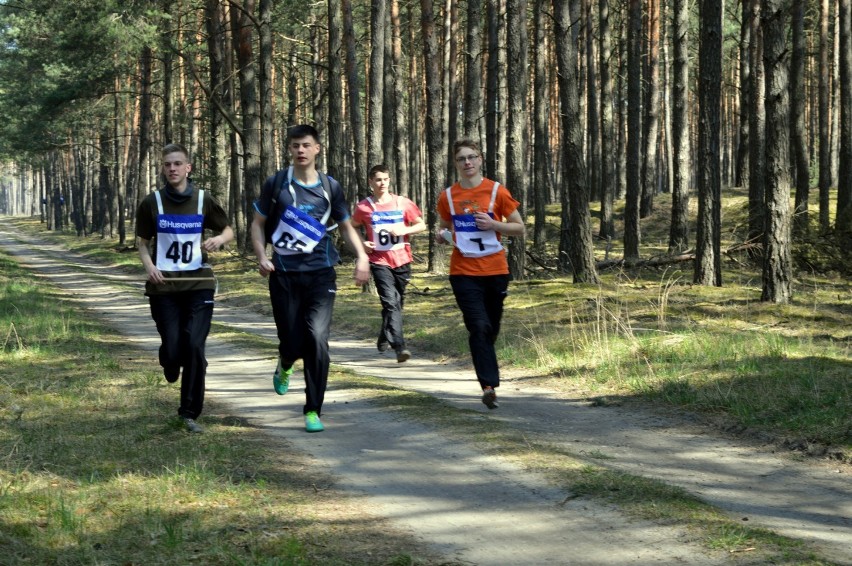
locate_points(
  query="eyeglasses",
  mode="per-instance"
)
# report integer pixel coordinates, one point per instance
(465, 158)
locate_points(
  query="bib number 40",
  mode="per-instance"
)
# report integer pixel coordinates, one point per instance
(180, 252)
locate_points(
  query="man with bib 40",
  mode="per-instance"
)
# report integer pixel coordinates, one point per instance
(180, 284)
(474, 213)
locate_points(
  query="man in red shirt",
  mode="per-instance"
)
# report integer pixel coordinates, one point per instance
(388, 220)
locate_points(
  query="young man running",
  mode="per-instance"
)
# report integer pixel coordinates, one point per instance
(479, 211)
(388, 220)
(180, 283)
(293, 214)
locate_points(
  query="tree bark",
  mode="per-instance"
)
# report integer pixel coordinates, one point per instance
(267, 114)
(741, 173)
(377, 69)
(634, 128)
(578, 246)
(825, 47)
(400, 149)
(708, 267)
(473, 71)
(243, 38)
(607, 180)
(843, 221)
(679, 230)
(757, 129)
(356, 121)
(797, 118)
(651, 131)
(335, 150)
(435, 180)
(542, 185)
(777, 264)
(516, 149)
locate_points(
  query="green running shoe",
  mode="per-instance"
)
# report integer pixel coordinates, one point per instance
(312, 422)
(281, 378)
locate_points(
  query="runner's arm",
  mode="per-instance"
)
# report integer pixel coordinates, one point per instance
(258, 243)
(154, 275)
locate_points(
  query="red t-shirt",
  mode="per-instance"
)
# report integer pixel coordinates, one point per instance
(393, 251)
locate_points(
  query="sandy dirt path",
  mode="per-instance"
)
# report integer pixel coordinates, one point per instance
(478, 509)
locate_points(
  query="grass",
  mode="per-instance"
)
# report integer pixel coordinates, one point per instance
(97, 469)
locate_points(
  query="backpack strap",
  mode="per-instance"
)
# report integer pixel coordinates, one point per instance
(277, 188)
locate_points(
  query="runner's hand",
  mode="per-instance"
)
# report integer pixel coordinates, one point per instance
(362, 271)
(265, 267)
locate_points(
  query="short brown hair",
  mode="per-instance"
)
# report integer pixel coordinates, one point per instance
(174, 148)
(380, 168)
(468, 143)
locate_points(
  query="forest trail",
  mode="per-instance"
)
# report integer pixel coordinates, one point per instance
(478, 509)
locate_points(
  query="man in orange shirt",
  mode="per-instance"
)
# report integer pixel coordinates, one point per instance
(478, 211)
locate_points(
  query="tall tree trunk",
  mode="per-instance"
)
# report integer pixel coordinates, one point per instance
(777, 264)
(824, 115)
(634, 128)
(844, 178)
(145, 119)
(434, 142)
(577, 242)
(651, 131)
(389, 94)
(679, 230)
(607, 181)
(593, 145)
(473, 71)
(356, 121)
(708, 265)
(542, 185)
(400, 149)
(492, 91)
(217, 170)
(377, 69)
(741, 174)
(516, 150)
(335, 147)
(267, 117)
(797, 118)
(450, 81)
(243, 37)
(757, 129)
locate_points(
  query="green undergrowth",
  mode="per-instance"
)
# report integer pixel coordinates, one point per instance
(97, 469)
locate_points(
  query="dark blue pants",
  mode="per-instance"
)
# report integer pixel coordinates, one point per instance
(302, 305)
(183, 321)
(480, 299)
(390, 284)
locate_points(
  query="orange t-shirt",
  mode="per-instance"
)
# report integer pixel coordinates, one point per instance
(468, 201)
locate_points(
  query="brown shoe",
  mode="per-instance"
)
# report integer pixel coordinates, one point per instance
(402, 355)
(489, 397)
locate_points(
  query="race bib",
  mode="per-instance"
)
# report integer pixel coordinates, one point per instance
(179, 242)
(382, 223)
(473, 242)
(297, 232)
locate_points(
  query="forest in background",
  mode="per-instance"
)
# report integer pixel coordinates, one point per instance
(572, 101)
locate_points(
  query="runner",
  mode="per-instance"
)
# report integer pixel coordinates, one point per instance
(299, 202)
(388, 220)
(478, 211)
(180, 284)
